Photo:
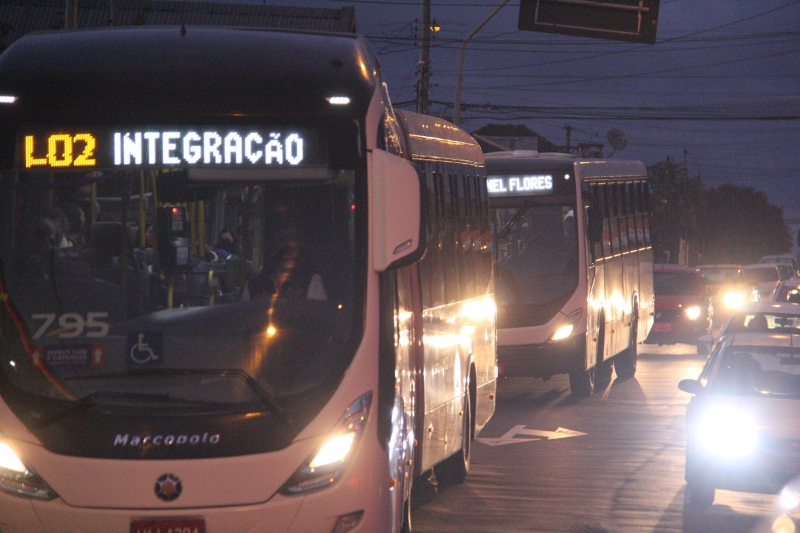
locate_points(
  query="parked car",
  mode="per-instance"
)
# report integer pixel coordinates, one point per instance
(756, 317)
(764, 277)
(743, 421)
(731, 290)
(682, 308)
(788, 291)
(786, 258)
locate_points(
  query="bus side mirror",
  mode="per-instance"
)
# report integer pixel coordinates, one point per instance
(396, 211)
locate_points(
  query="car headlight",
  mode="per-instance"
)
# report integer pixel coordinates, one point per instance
(18, 479)
(693, 313)
(789, 498)
(325, 466)
(566, 329)
(727, 432)
(733, 300)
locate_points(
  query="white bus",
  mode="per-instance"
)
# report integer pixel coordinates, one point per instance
(573, 265)
(214, 311)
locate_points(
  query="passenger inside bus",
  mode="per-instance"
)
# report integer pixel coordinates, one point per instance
(286, 272)
(226, 246)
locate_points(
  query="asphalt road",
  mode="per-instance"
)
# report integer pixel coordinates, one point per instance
(616, 465)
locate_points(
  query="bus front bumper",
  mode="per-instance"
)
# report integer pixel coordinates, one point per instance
(542, 360)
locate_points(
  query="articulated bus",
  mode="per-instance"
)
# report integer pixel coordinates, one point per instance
(573, 265)
(215, 314)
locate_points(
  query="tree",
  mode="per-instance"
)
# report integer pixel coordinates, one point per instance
(739, 225)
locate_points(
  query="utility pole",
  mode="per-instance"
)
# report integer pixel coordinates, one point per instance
(569, 133)
(457, 103)
(71, 15)
(112, 13)
(424, 70)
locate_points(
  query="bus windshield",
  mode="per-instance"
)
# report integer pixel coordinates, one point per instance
(148, 289)
(537, 254)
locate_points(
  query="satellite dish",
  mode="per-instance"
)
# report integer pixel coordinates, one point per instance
(616, 138)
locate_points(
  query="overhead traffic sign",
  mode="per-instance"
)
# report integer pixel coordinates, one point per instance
(619, 20)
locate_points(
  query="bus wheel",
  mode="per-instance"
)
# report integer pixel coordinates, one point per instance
(603, 375)
(605, 368)
(406, 528)
(699, 495)
(626, 360)
(581, 383)
(453, 470)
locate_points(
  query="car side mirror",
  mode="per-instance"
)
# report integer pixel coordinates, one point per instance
(692, 386)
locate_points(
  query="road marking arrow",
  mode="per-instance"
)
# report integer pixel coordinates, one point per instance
(530, 434)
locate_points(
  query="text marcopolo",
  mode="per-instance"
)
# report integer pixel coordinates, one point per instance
(207, 148)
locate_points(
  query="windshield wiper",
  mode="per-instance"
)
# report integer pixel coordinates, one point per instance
(505, 229)
(90, 400)
(266, 399)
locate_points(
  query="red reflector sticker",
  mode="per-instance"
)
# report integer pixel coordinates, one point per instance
(169, 525)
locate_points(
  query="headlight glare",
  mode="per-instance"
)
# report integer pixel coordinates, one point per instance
(563, 332)
(568, 326)
(17, 479)
(334, 450)
(9, 459)
(325, 466)
(727, 432)
(693, 313)
(733, 300)
(789, 498)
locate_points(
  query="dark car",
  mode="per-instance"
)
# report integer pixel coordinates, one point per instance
(683, 306)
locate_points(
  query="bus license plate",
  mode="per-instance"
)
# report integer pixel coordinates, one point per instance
(169, 525)
(662, 327)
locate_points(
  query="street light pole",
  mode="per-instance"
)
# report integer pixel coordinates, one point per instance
(423, 84)
(457, 105)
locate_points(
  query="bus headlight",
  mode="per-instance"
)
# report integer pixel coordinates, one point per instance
(692, 313)
(325, 466)
(727, 432)
(733, 300)
(566, 329)
(563, 332)
(18, 479)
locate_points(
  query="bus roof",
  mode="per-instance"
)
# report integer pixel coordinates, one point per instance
(525, 160)
(165, 71)
(435, 139)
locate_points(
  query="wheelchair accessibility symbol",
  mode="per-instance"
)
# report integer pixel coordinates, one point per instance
(145, 348)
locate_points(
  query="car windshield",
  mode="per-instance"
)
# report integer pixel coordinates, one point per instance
(537, 254)
(761, 275)
(766, 371)
(213, 293)
(721, 276)
(667, 283)
(750, 321)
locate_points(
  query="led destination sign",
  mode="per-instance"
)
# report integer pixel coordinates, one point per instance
(520, 185)
(167, 147)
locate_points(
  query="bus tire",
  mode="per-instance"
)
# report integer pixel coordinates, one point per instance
(454, 469)
(581, 383)
(699, 495)
(406, 527)
(626, 360)
(605, 368)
